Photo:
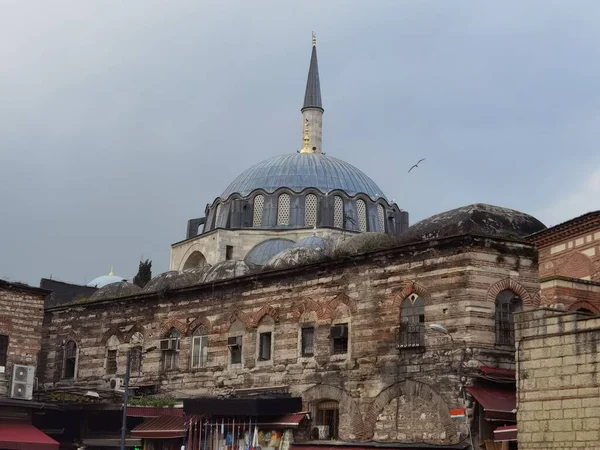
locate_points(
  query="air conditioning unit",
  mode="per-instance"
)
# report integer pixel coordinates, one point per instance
(116, 384)
(22, 382)
(234, 341)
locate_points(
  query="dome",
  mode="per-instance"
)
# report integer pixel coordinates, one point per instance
(314, 242)
(295, 256)
(171, 280)
(116, 290)
(104, 280)
(225, 270)
(479, 218)
(298, 171)
(261, 253)
(365, 242)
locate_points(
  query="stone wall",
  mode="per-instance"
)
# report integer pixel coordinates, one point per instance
(558, 377)
(21, 315)
(383, 392)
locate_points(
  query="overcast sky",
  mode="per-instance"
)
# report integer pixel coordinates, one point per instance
(121, 120)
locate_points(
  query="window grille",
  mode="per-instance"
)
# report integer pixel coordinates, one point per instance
(171, 355)
(259, 203)
(361, 211)
(199, 348)
(310, 210)
(507, 303)
(264, 346)
(308, 341)
(381, 217)
(339, 338)
(283, 210)
(217, 215)
(111, 361)
(412, 322)
(338, 212)
(70, 361)
(235, 349)
(328, 416)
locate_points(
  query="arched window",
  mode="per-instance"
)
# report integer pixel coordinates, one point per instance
(70, 360)
(361, 211)
(112, 352)
(381, 217)
(137, 342)
(194, 261)
(283, 210)
(338, 212)
(170, 349)
(217, 215)
(507, 303)
(412, 322)
(259, 203)
(199, 347)
(328, 419)
(310, 210)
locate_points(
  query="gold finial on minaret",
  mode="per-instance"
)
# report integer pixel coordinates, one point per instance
(306, 148)
(314, 39)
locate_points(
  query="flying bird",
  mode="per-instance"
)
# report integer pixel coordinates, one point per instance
(416, 165)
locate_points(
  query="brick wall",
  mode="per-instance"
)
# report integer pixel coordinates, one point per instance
(383, 392)
(558, 380)
(21, 315)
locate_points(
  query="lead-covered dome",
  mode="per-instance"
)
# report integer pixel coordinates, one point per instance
(298, 171)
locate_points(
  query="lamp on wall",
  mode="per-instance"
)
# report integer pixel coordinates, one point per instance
(439, 328)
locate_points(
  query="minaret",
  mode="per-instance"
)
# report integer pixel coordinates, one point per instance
(312, 111)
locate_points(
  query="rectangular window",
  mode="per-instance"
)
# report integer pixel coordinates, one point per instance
(171, 359)
(235, 348)
(229, 252)
(111, 361)
(3, 349)
(199, 351)
(308, 341)
(339, 338)
(136, 359)
(264, 346)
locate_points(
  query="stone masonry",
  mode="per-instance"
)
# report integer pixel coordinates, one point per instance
(384, 393)
(558, 377)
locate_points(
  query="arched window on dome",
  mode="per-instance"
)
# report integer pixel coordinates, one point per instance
(283, 209)
(338, 212)
(259, 203)
(310, 210)
(217, 215)
(381, 217)
(361, 211)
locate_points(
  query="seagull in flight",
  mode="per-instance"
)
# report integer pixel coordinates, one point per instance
(416, 165)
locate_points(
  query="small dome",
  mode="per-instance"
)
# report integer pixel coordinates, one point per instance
(263, 252)
(479, 218)
(116, 290)
(225, 270)
(298, 171)
(198, 272)
(364, 242)
(314, 242)
(171, 280)
(295, 256)
(104, 280)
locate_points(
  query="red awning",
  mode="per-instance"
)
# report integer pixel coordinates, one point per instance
(496, 404)
(20, 435)
(498, 373)
(507, 433)
(285, 421)
(152, 411)
(163, 427)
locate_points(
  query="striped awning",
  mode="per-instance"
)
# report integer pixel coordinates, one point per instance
(162, 427)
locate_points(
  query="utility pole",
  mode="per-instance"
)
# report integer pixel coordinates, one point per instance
(126, 397)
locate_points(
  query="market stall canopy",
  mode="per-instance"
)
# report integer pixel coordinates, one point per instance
(497, 404)
(252, 407)
(162, 427)
(18, 434)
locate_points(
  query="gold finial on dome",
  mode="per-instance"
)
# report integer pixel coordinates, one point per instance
(314, 39)
(111, 273)
(306, 148)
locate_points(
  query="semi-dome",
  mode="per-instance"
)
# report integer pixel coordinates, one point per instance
(262, 252)
(105, 280)
(171, 280)
(298, 171)
(116, 290)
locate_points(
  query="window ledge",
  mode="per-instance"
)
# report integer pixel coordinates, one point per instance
(339, 357)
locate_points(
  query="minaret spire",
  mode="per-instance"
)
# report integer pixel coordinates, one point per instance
(312, 111)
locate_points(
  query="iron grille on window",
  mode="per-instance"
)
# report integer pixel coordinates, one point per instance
(412, 322)
(111, 361)
(264, 346)
(308, 341)
(259, 203)
(507, 303)
(310, 210)
(338, 212)
(283, 210)
(381, 217)
(361, 211)
(339, 338)
(3, 349)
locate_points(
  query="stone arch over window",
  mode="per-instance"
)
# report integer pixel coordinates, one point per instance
(310, 210)
(199, 322)
(409, 288)
(577, 265)
(338, 212)
(112, 331)
(361, 212)
(350, 417)
(266, 310)
(381, 218)
(507, 303)
(412, 322)
(70, 360)
(136, 332)
(259, 204)
(283, 209)
(238, 316)
(308, 306)
(585, 306)
(172, 323)
(328, 311)
(413, 390)
(515, 286)
(195, 260)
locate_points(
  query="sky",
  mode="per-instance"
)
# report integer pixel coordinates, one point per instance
(119, 121)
